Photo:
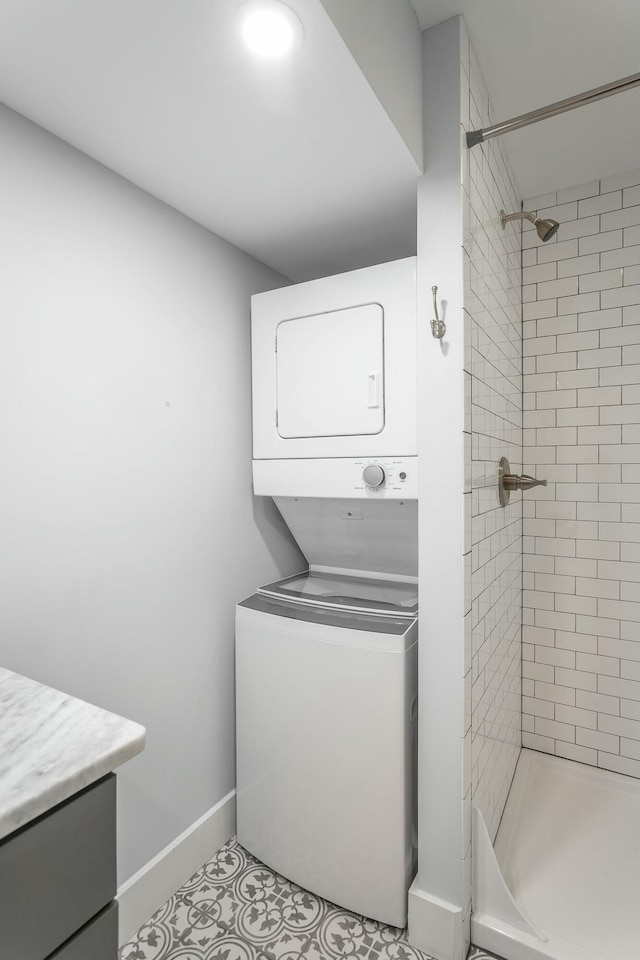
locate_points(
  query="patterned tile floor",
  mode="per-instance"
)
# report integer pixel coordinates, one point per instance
(235, 908)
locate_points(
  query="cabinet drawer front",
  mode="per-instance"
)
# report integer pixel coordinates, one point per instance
(98, 940)
(57, 872)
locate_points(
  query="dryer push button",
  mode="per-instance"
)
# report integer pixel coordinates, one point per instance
(373, 475)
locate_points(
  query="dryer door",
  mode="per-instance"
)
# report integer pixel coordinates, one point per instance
(334, 366)
(330, 373)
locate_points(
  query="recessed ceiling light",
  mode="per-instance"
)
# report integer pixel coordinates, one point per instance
(269, 28)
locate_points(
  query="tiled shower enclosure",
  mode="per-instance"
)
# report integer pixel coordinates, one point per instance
(493, 384)
(581, 635)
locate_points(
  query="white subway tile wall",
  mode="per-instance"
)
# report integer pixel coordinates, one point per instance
(581, 580)
(493, 394)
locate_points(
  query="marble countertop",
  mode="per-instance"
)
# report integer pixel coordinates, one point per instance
(52, 745)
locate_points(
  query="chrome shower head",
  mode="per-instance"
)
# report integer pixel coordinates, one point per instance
(544, 228)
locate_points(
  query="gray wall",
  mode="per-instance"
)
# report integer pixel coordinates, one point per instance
(127, 522)
(385, 40)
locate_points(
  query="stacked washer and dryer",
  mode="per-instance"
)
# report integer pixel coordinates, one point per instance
(326, 660)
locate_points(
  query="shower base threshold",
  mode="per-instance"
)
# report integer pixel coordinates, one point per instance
(563, 880)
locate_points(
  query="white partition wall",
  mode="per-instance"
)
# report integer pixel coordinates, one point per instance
(437, 898)
(470, 414)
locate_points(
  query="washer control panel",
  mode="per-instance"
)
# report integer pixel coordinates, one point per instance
(376, 478)
(382, 477)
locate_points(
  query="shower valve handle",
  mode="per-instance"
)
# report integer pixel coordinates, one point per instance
(508, 481)
(512, 481)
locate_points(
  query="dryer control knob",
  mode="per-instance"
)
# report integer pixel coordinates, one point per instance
(373, 475)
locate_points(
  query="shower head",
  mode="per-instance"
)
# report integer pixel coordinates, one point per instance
(544, 228)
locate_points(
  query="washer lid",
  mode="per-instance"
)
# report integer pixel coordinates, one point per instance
(364, 535)
(361, 594)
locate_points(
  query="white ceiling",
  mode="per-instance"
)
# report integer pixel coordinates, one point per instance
(298, 163)
(534, 52)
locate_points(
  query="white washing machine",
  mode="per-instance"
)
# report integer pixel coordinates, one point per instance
(326, 687)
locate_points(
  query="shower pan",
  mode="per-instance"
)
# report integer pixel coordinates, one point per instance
(562, 881)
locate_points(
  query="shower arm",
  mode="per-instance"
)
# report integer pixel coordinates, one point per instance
(521, 215)
(553, 109)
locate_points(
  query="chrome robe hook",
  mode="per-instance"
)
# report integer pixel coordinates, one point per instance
(438, 327)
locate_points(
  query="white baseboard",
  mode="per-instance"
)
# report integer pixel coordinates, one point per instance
(435, 926)
(150, 887)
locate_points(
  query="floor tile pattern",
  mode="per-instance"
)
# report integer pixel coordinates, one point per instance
(235, 908)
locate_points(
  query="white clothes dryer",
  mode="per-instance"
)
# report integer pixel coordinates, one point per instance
(326, 688)
(334, 366)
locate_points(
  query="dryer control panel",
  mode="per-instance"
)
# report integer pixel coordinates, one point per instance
(376, 478)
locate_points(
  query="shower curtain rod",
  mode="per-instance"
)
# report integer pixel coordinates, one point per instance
(561, 106)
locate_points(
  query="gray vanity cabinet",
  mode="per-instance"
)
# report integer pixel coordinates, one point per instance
(98, 939)
(58, 881)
